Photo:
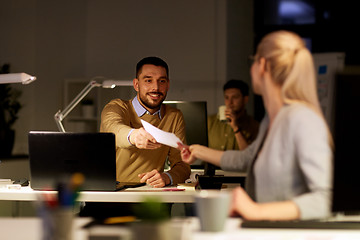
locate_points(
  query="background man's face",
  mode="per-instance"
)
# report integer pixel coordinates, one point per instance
(234, 100)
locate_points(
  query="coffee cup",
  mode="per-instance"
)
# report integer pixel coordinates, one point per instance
(212, 209)
(222, 116)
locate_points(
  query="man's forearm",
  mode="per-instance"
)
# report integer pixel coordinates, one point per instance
(240, 140)
(167, 178)
(179, 172)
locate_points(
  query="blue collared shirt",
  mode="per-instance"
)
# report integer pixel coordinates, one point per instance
(140, 111)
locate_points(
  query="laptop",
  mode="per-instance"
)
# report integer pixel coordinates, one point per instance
(55, 156)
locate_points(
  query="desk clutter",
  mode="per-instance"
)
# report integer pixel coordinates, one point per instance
(5, 183)
(150, 221)
(174, 229)
(181, 229)
(57, 211)
(13, 185)
(68, 226)
(17, 184)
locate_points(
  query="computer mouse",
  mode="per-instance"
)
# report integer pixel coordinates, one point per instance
(23, 182)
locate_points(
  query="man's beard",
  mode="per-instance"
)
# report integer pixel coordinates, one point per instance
(150, 105)
(240, 111)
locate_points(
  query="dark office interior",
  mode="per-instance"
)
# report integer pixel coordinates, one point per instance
(326, 26)
(329, 26)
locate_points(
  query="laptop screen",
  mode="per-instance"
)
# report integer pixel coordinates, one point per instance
(55, 156)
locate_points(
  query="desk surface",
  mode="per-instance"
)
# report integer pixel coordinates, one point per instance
(31, 230)
(187, 196)
(27, 194)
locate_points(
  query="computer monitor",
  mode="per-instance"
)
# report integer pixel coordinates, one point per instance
(195, 116)
(346, 133)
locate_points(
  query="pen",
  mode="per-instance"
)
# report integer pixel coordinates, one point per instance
(173, 189)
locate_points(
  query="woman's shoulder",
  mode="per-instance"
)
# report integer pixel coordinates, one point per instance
(299, 109)
(298, 114)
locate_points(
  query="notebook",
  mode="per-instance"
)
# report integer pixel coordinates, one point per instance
(54, 156)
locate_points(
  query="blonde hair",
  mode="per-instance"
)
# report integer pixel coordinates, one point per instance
(291, 66)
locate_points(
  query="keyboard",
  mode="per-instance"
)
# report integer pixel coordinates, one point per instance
(302, 224)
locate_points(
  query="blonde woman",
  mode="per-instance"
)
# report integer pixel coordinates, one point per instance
(289, 166)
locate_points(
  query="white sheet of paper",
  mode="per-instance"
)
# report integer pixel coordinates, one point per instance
(167, 138)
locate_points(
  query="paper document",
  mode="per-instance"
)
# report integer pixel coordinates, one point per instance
(148, 188)
(161, 136)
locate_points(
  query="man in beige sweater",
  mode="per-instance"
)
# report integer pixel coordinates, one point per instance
(139, 158)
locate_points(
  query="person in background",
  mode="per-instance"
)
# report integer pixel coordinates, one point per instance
(289, 165)
(139, 158)
(239, 129)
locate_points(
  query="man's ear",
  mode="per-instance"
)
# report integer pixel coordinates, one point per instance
(136, 84)
(246, 100)
(168, 85)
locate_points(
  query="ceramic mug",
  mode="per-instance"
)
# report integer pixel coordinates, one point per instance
(222, 116)
(212, 208)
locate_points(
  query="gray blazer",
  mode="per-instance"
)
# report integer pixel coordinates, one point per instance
(295, 162)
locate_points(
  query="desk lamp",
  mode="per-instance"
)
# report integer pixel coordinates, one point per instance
(16, 78)
(60, 115)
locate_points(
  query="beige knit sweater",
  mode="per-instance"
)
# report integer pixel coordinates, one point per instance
(119, 117)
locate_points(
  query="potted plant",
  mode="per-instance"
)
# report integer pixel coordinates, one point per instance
(153, 221)
(9, 109)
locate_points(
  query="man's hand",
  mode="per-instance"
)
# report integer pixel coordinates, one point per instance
(231, 117)
(142, 139)
(155, 179)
